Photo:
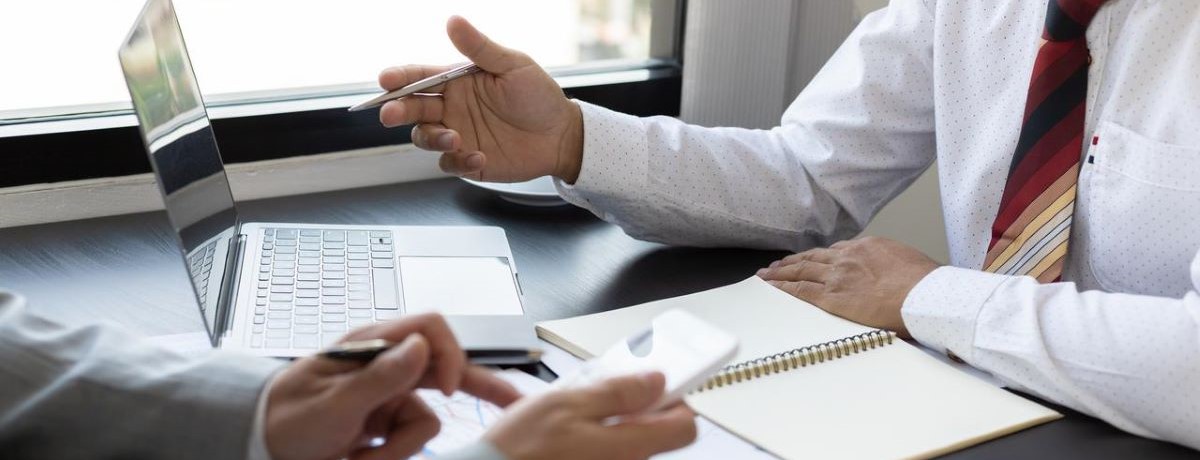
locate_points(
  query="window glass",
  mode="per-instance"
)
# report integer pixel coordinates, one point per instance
(60, 56)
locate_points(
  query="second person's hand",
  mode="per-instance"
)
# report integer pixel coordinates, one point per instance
(579, 423)
(509, 123)
(322, 408)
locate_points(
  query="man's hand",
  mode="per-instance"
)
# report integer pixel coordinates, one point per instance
(509, 123)
(578, 424)
(319, 408)
(864, 280)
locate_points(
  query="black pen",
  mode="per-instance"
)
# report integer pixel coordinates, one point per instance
(366, 350)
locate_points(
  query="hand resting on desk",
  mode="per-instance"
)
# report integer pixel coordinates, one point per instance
(864, 280)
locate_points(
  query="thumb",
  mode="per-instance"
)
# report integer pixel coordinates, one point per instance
(394, 372)
(481, 50)
(622, 395)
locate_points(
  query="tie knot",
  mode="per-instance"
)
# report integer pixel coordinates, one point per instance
(1068, 19)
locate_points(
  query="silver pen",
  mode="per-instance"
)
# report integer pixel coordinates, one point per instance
(418, 86)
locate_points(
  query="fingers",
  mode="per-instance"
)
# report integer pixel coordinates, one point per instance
(395, 371)
(803, 270)
(435, 138)
(621, 395)
(447, 360)
(467, 164)
(822, 255)
(483, 51)
(657, 433)
(398, 77)
(412, 109)
(487, 386)
(807, 291)
(414, 424)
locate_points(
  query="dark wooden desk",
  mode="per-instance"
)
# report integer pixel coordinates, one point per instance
(127, 270)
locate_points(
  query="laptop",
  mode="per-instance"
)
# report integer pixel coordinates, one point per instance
(289, 289)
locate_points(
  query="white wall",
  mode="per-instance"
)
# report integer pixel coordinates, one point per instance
(746, 61)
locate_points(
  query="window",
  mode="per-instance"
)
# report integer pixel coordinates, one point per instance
(277, 75)
(251, 49)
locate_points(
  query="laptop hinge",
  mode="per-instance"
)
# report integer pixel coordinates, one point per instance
(233, 273)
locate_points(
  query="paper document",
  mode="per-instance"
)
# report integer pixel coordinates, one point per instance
(465, 418)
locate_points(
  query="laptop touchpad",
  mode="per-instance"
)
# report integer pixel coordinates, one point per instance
(459, 286)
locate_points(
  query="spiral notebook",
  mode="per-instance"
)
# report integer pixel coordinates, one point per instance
(807, 384)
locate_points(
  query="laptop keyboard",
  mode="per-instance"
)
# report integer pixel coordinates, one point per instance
(314, 285)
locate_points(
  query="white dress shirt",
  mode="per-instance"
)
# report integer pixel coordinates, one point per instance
(947, 81)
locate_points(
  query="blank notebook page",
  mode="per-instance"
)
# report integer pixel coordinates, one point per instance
(888, 402)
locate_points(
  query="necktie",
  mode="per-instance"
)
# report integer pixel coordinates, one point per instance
(1030, 232)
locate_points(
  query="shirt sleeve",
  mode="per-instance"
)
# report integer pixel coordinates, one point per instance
(859, 134)
(1131, 360)
(98, 392)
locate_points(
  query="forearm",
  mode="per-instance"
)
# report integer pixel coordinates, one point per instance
(859, 134)
(1133, 361)
(663, 180)
(96, 391)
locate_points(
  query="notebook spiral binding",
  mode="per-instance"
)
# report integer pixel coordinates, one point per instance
(799, 357)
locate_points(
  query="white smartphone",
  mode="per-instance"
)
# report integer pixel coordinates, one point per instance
(686, 349)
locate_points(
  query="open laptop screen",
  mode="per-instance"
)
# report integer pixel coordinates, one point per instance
(182, 150)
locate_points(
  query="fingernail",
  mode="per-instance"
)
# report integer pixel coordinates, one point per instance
(761, 272)
(383, 110)
(475, 161)
(774, 264)
(446, 141)
(407, 348)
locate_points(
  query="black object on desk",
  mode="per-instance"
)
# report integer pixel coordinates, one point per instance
(126, 269)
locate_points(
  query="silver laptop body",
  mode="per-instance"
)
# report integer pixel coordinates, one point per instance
(282, 289)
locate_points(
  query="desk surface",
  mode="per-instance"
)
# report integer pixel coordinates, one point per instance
(127, 270)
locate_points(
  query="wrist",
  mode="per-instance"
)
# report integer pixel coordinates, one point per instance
(570, 147)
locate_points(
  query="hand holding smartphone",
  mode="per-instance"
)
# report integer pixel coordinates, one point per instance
(686, 349)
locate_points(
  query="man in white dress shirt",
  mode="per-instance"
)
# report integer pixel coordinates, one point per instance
(1110, 328)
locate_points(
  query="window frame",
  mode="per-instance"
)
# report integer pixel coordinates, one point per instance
(105, 142)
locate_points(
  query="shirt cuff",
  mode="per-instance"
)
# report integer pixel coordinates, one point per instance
(258, 441)
(942, 309)
(615, 154)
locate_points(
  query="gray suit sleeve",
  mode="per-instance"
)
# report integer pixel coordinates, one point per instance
(97, 392)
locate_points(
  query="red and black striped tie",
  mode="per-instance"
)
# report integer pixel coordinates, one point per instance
(1031, 230)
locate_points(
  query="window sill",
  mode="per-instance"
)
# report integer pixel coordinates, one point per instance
(89, 198)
